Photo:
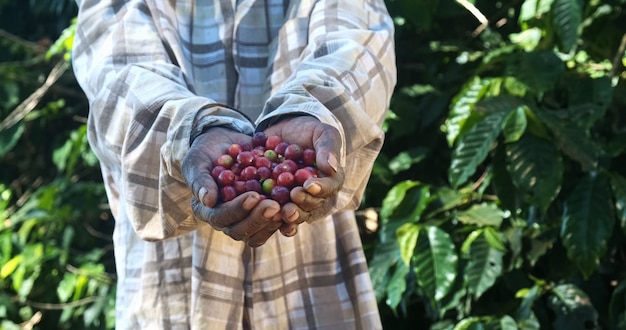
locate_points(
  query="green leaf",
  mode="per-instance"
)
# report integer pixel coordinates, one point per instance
(573, 308)
(405, 159)
(397, 285)
(467, 243)
(484, 266)
(407, 239)
(589, 98)
(515, 125)
(588, 221)
(572, 140)
(63, 45)
(618, 186)
(532, 9)
(538, 70)
(524, 315)
(536, 169)
(435, 261)
(527, 39)
(567, 18)
(485, 214)
(617, 307)
(487, 323)
(445, 199)
(474, 145)
(8, 325)
(462, 106)
(528, 10)
(66, 287)
(9, 137)
(404, 203)
(385, 256)
(515, 87)
(495, 239)
(394, 197)
(10, 266)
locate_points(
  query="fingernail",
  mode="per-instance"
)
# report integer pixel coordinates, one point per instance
(293, 217)
(270, 213)
(201, 195)
(313, 188)
(292, 232)
(332, 161)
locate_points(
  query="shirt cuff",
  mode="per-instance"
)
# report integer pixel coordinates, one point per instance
(306, 106)
(215, 115)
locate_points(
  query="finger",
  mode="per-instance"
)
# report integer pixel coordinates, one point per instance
(327, 146)
(289, 229)
(196, 168)
(290, 212)
(260, 237)
(305, 200)
(261, 216)
(325, 186)
(226, 214)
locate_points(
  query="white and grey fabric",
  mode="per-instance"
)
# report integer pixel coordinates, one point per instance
(156, 74)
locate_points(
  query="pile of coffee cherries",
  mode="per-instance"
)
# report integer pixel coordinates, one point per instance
(268, 165)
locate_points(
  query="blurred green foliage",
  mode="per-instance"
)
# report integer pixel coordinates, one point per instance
(501, 187)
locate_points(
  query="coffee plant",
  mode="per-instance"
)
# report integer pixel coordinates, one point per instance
(504, 203)
(56, 265)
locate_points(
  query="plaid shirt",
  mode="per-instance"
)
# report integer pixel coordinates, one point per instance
(158, 72)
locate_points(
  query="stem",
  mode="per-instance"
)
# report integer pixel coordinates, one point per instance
(484, 22)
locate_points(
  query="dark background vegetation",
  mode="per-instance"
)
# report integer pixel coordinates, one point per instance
(498, 201)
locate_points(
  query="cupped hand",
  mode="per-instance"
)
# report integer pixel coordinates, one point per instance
(317, 197)
(248, 217)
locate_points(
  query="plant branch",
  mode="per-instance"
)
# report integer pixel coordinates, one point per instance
(484, 22)
(61, 306)
(618, 57)
(33, 100)
(28, 44)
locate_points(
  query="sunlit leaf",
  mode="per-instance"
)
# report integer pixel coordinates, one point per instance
(515, 125)
(394, 197)
(495, 239)
(536, 168)
(484, 266)
(66, 287)
(573, 308)
(473, 146)
(465, 247)
(527, 39)
(532, 9)
(462, 106)
(407, 239)
(435, 262)
(10, 266)
(485, 214)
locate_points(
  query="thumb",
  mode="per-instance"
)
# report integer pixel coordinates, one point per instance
(328, 150)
